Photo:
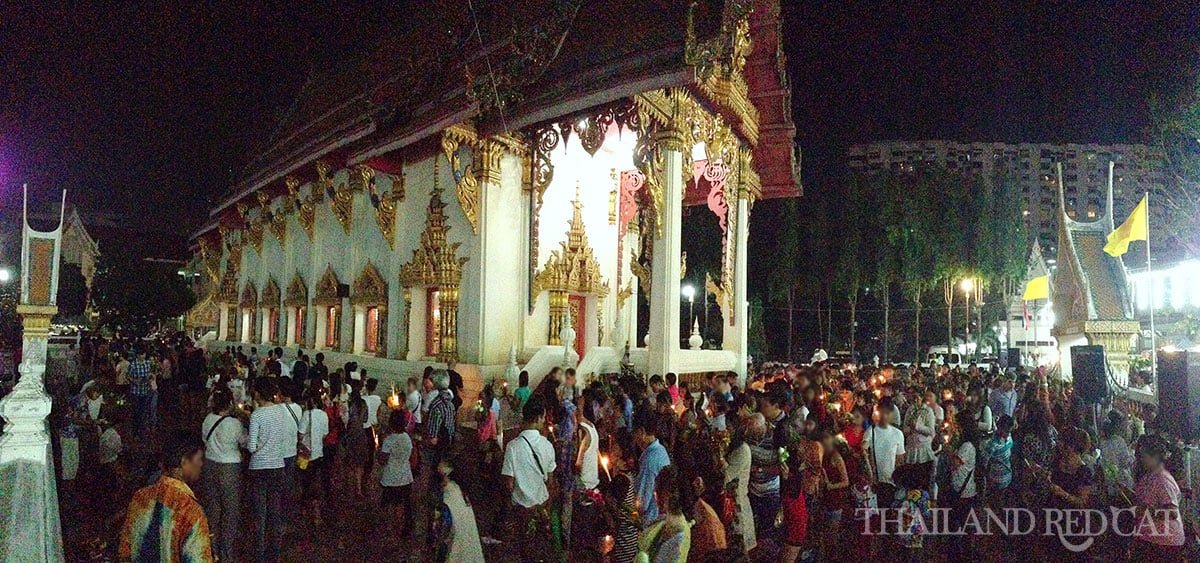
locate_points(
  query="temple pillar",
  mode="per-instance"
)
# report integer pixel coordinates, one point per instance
(664, 291)
(735, 334)
(494, 315)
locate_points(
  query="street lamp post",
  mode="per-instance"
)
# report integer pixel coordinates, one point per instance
(689, 293)
(968, 285)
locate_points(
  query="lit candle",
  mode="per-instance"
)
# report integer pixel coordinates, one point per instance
(604, 464)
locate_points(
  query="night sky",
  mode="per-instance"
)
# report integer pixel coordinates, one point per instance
(147, 113)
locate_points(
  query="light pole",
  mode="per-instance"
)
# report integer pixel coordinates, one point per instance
(5, 275)
(968, 286)
(689, 293)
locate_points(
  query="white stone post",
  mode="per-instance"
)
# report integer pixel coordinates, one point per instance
(735, 335)
(29, 526)
(664, 291)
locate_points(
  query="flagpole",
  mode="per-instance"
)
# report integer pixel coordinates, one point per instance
(1150, 280)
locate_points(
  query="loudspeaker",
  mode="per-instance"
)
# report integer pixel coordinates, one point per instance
(1179, 394)
(343, 290)
(1089, 373)
(1013, 357)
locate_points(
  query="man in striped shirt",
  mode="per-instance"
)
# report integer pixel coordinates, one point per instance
(164, 521)
(270, 430)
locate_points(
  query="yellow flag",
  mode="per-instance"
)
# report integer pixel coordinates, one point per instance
(1136, 227)
(1037, 288)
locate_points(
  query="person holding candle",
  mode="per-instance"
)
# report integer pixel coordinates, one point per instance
(621, 502)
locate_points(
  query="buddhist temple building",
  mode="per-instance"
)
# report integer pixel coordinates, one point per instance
(497, 180)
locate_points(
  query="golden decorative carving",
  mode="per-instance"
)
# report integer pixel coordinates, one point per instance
(249, 296)
(466, 186)
(435, 263)
(574, 267)
(327, 289)
(489, 155)
(749, 184)
(270, 294)
(541, 172)
(297, 293)
(275, 220)
(343, 198)
(642, 273)
(306, 209)
(369, 289)
(254, 233)
(622, 295)
(385, 206)
(403, 340)
(719, 63)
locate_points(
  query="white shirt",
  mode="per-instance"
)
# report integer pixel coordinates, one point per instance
(224, 445)
(589, 468)
(397, 472)
(963, 478)
(93, 406)
(413, 403)
(427, 399)
(269, 429)
(316, 426)
(285, 370)
(373, 403)
(289, 446)
(883, 445)
(520, 463)
(110, 445)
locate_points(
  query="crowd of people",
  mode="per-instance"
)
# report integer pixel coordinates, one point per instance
(814, 462)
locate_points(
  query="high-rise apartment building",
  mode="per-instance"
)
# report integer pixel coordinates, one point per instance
(1137, 169)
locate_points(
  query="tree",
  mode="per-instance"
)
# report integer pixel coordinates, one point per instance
(1176, 133)
(72, 291)
(134, 296)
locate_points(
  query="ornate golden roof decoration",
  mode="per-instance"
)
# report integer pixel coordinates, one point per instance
(270, 294)
(454, 139)
(327, 289)
(719, 63)
(369, 288)
(385, 206)
(434, 261)
(297, 293)
(306, 209)
(275, 220)
(249, 296)
(573, 268)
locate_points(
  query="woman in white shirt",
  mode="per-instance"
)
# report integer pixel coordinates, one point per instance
(396, 477)
(314, 427)
(962, 485)
(221, 477)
